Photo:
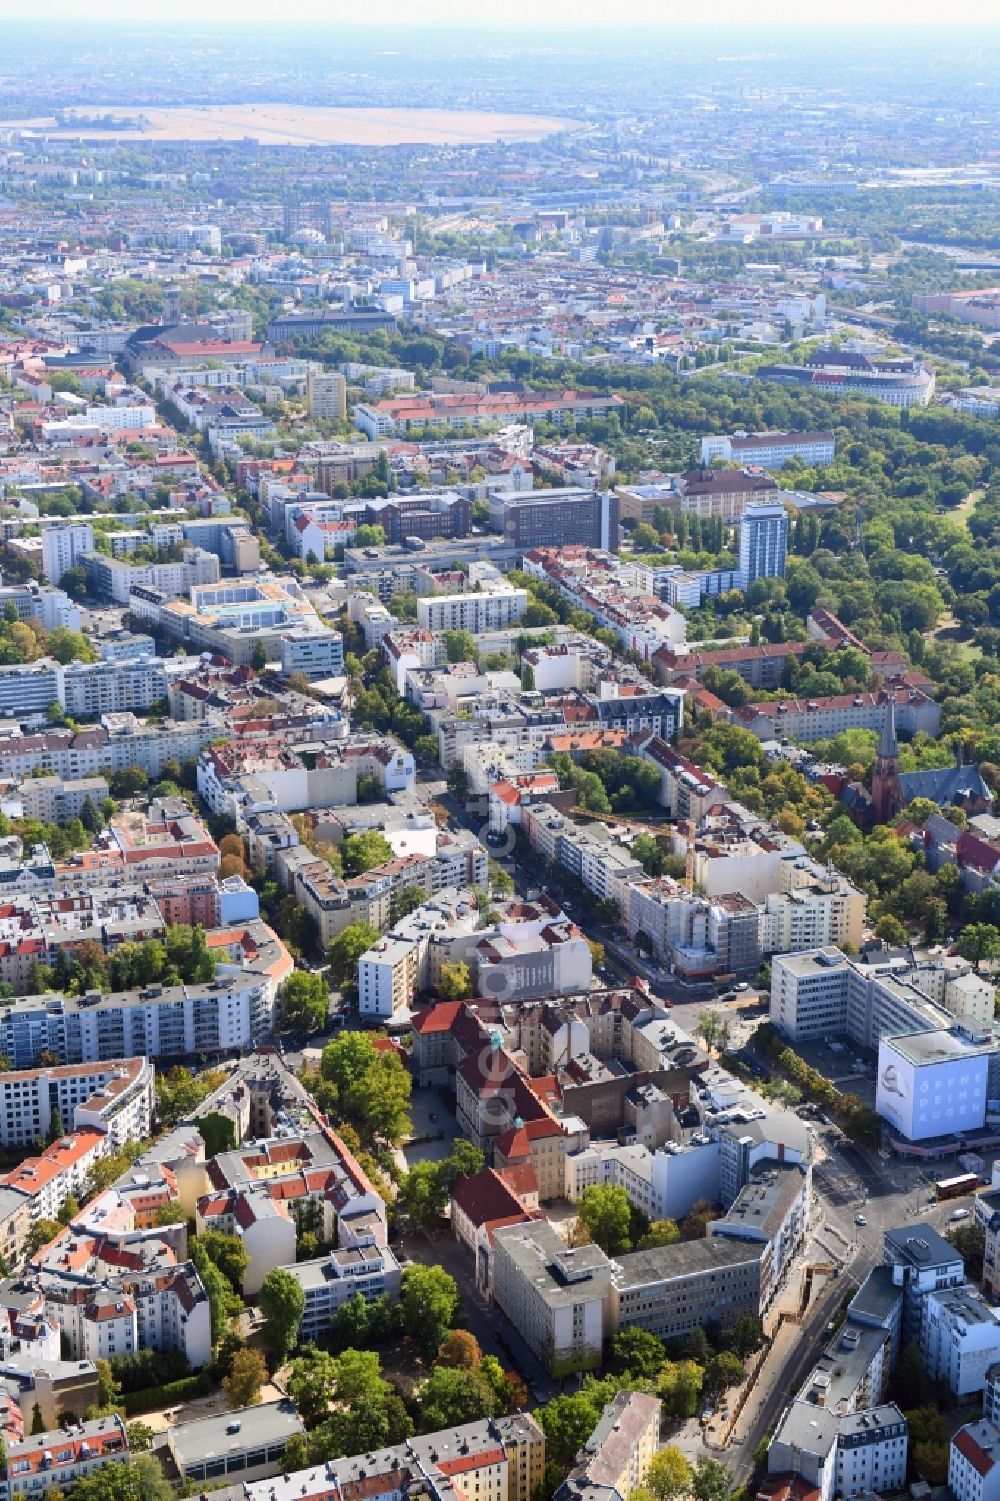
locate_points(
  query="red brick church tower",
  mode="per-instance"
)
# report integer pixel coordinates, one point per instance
(887, 794)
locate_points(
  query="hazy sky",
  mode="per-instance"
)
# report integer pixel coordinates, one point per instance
(742, 14)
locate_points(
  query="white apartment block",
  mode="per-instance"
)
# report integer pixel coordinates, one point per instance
(854, 1454)
(493, 608)
(829, 910)
(63, 547)
(409, 958)
(53, 800)
(115, 1098)
(770, 450)
(960, 1339)
(387, 977)
(116, 577)
(158, 1022)
(331, 1280)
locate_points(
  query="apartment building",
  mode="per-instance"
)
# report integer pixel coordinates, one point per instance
(261, 1223)
(815, 910)
(986, 1209)
(329, 1281)
(64, 547)
(326, 396)
(848, 1455)
(598, 857)
(116, 1098)
(974, 1462)
(116, 1293)
(388, 976)
(497, 1459)
(763, 543)
(310, 1166)
(47, 1461)
(920, 1262)
(697, 935)
(85, 689)
(959, 1339)
(615, 1459)
(15, 1224)
(772, 1209)
(770, 450)
(62, 1169)
(158, 1021)
(53, 800)
(495, 605)
(116, 578)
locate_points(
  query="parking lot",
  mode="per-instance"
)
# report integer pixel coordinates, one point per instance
(850, 1068)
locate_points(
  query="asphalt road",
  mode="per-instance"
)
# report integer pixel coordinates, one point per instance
(787, 1381)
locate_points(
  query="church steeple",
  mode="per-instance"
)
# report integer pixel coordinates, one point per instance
(887, 794)
(888, 750)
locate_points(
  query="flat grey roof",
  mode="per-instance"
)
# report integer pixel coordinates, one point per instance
(844, 1365)
(762, 1204)
(685, 1259)
(559, 1274)
(920, 1245)
(877, 1296)
(936, 1046)
(208, 1438)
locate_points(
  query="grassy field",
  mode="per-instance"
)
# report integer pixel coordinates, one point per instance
(309, 125)
(964, 511)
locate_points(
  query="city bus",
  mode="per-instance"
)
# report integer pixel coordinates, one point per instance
(953, 1188)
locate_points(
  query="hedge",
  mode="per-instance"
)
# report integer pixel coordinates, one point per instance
(155, 1397)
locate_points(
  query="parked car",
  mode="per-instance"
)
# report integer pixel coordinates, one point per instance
(958, 1214)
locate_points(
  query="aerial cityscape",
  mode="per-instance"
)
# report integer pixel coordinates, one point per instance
(499, 756)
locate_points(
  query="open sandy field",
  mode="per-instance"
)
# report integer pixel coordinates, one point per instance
(305, 125)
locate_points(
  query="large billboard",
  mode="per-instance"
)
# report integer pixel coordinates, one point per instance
(936, 1098)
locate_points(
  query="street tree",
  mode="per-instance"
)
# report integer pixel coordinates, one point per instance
(669, 1474)
(303, 1001)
